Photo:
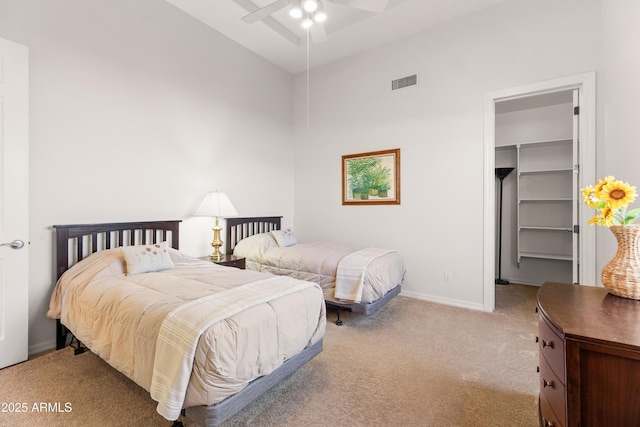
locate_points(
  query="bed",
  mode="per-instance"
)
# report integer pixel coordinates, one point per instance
(205, 340)
(268, 248)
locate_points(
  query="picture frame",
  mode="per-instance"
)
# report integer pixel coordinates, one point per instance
(371, 178)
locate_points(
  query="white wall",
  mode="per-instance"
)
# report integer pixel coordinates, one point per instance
(136, 111)
(619, 92)
(439, 128)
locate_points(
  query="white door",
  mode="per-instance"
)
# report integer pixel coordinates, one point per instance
(14, 207)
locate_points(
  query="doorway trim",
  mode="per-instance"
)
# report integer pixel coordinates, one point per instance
(586, 86)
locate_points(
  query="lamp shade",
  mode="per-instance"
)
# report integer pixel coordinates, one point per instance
(216, 204)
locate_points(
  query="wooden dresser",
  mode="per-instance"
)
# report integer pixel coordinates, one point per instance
(589, 345)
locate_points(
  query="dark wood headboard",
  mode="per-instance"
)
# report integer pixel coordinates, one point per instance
(78, 241)
(71, 239)
(239, 228)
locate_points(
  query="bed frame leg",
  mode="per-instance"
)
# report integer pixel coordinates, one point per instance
(339, 321)
(79, 348)
(61, 335)
(61, 339)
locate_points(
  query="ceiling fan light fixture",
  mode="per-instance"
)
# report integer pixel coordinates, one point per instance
(320, 16)
(295, 11)
(307, 22)
(310, 5)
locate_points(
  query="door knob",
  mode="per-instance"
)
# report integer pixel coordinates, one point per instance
(16, 244)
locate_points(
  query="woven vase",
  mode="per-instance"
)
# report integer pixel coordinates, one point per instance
(621, 275)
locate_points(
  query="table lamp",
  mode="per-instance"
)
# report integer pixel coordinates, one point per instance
(216, 204)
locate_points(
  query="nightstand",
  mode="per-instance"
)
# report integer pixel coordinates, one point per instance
(228, 261)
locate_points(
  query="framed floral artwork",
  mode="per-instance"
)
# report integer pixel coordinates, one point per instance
(371, 178)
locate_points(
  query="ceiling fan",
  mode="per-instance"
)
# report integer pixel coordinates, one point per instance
(312, 13)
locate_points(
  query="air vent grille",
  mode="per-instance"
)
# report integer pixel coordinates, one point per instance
(404, 82)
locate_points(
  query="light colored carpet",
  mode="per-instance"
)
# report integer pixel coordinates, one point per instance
(413, 363)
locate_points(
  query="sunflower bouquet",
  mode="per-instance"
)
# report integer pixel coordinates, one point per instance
(611, 197)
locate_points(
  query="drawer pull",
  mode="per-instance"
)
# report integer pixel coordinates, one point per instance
(547, 423)
(547, 344)
(546, 383)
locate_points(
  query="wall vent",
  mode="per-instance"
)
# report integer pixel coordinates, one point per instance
(404, 82)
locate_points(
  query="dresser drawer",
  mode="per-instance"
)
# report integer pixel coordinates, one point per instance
(552, 348)
(552, 390)
(547, 417)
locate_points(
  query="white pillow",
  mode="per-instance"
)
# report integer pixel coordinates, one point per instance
(147, 258)
(254, 246)
(284, 237)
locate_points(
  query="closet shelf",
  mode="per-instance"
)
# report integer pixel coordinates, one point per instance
(546, 199)
(546, 256)
(546, 228)
(542, 142)
(545, 171)
(545, 192)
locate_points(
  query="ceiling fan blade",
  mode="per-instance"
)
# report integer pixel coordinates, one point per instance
(318, 34)
(264, 12)
(377, 6)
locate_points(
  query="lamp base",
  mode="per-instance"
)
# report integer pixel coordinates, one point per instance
(217, 243)
(216, 257)
(500, 281)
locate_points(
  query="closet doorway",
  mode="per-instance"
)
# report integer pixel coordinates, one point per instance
(546, 133)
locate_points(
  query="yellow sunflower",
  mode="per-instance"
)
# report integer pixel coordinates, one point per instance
(602, 183)
(611, 197)
(588, 194)
(606, 218)
(617, 194)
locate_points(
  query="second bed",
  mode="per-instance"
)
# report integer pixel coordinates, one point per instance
(357, 279)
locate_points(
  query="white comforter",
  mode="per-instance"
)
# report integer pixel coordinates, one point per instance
(318, 262)
(352, 271)
(119, 318)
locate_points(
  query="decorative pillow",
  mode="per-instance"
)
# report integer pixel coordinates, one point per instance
(147, 258)
(284, 237)
(253, 247)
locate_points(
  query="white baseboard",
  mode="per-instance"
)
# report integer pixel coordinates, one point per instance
(42, 347)
(440, 300)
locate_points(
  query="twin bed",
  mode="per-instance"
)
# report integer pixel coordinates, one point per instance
(183, 329)
(206, 340)
(360, 280)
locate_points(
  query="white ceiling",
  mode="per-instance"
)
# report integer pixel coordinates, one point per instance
(282, 41)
